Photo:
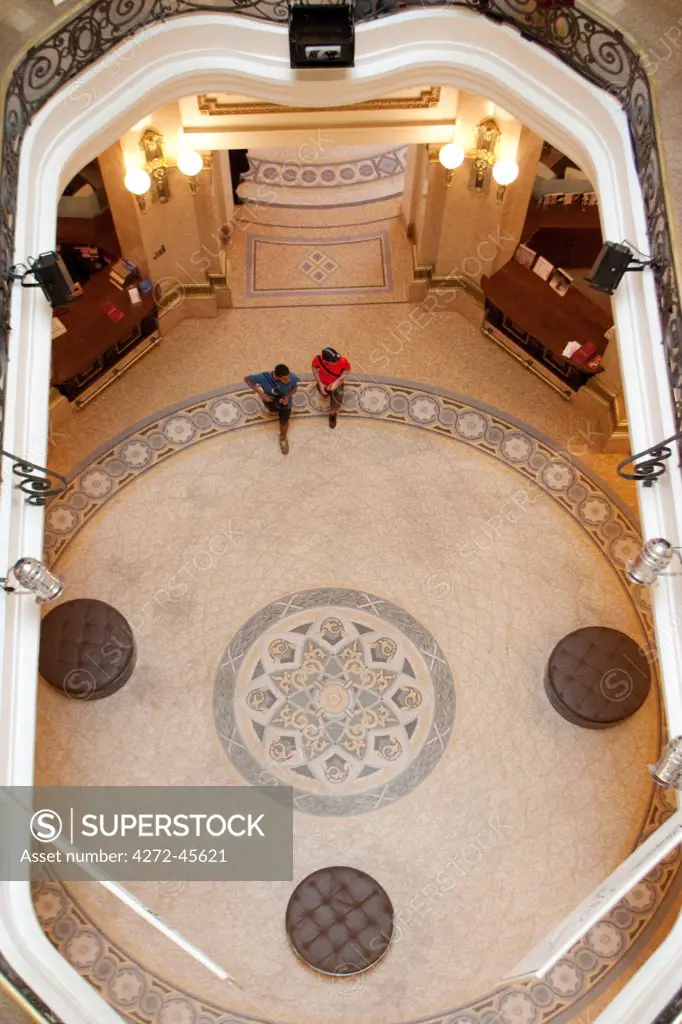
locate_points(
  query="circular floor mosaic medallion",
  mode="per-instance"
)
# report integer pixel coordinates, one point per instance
(338, 693)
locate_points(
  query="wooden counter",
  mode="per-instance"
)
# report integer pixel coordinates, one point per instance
(92, 339)
(531, 315)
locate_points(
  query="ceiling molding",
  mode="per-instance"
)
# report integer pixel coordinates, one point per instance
(213, 107)
(227, 129)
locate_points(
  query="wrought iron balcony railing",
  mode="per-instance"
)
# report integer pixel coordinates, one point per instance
(34, 1009)
(650, 464)
(38, 483)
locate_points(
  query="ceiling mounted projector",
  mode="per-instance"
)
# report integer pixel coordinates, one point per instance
(321, 35)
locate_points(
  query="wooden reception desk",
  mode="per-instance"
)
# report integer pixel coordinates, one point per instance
(532, 321)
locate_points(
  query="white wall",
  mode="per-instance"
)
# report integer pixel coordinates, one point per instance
(231, 54)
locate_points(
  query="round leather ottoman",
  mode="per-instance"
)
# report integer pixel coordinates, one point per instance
(87, 649)
(339, 921)
(597, 677)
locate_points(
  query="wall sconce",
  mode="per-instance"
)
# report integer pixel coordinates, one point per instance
(191, 163)
(668, 769)
(484, 166)
(35, 578)
(487, 135)
(652, 561)
(504, 173)
(156, 165)
(138, 182)
(154, 173)
(451, 156)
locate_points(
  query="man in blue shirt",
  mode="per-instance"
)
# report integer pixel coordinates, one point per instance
(276, 388)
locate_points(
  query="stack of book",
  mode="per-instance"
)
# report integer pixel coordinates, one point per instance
(123, 274)
(92, 254)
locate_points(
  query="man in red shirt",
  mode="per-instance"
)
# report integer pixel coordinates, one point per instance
(330, 371)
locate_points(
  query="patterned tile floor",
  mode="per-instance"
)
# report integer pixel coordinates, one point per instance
(378, 339)
(320, 174)
(339, 687)
(406, 503)
(523, 814)
(275, 266)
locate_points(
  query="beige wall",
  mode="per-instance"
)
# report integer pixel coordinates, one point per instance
(164, 119)
(186, 227)
(433, 218)
(208, 223)
(407, 198)
(122, 206)
(518, 197)
(478, 233)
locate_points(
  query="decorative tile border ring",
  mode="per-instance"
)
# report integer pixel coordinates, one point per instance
(594, 49)
(327, 175)
(144, 997)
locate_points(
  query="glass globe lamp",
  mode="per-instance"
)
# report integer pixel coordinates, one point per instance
(190, 162)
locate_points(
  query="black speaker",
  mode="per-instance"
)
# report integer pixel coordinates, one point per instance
(321, 35)
(609, 267)
(53, 277)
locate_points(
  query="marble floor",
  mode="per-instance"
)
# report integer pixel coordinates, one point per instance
(485, 816)
(148, 388)
(378, 339)
(328, 263)
(514, 821)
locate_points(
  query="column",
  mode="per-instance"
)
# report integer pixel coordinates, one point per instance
(518, 196)
(407, 198)
(430, 223)
(122, 209)
(479, 234)
(177, 235)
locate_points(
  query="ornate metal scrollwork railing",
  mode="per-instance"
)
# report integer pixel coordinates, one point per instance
(25, 997)
(672, 1012)
(650, 464)
(39, 489)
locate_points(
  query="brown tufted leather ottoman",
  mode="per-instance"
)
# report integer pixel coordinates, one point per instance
(339, 921)
(597, 677)
(87, 649)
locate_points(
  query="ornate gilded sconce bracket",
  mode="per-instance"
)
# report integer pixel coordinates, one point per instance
(483, 157)
(156, 164)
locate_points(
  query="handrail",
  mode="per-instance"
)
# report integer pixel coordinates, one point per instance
(38, 488)
(672, 1011)
(647, 470)
(24, 997)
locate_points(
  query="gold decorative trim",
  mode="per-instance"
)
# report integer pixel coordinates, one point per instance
(212, 107)
(615, 403)
(117, 371)
(422, 272)
(216, 129)
(426, 272)
(182, 291)
(529, 363)
(463, 284)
